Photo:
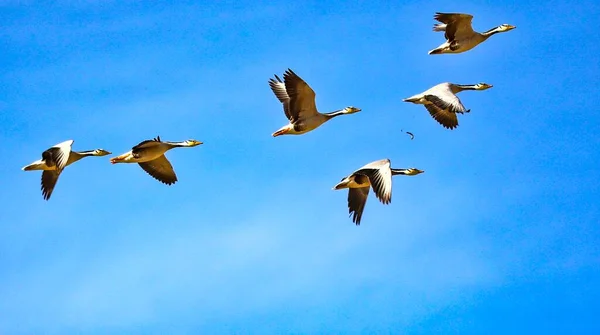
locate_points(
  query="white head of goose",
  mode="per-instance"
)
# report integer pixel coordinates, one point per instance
(299, 105)
(443, 104)
(376, 174)
(54, 160)
(150, 155)
(459, 33)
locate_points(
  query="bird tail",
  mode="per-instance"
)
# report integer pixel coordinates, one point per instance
(37, 165)
(439, 27)
(411, 99)
(437, 51)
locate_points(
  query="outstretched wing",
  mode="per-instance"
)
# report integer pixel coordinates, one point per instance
(444, 117)
(380, 178)
(302, 98)
(160, 169)
(58, 155)
(278, 88)
(447, 101)
(49, 179)
(357, 198)
(457, 24)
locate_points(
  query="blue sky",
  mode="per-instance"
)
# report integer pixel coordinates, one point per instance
(500, 235)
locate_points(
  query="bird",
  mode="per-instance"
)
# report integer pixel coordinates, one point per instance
(299, 106)
(54, 160)
(443, 104)
(378, 175)
(150, 155)
(459, 33)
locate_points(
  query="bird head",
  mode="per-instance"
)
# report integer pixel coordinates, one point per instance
(351, 110)
(482, 86)
(101, 152)
(505, 27)
(413, 171)
(192, 143)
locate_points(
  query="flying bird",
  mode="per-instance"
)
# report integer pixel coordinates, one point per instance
(443, 104)
(150, 155)
(377, 175)
(459, 33)
(53, 162)
(299, 105)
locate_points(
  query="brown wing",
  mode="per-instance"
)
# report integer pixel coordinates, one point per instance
(278, 88)
(146, 144)
(160, 169)
(457, 24)
(49, 179)
(302, 97)
(443, 117)
(447, 101)
(357, 198)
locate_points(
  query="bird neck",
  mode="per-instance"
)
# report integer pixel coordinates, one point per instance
(487, 34)
(177, 144)
(86, 153)
(399, 171)
(334, 114)
(466, 87)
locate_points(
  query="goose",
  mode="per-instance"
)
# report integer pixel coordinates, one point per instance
(299, 106)
(150, 155)
(377, 174)
(54, 160)
(443, 104)
(459, 33)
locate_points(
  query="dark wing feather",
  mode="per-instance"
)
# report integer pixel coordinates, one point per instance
(160, 169)
(57, 156)
(278, 88)
(381, 182)
(302, 98)
(454, 105)
(357, 198)
(456, 24)
(145, 144)
(444, 117)
(49, 179)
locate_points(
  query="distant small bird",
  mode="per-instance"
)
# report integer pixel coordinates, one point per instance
(150, 155)
(376, 174)
(299, 106)
(459, 33)
(54, 160)
(443, 104)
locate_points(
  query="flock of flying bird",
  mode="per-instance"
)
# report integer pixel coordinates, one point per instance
(299, 106)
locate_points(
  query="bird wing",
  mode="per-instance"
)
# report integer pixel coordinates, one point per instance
(302, 97)
(49, 179)
(58, 155)
(160, 169)
(357, 198)
(442, 116)
(380, 178)
(457, 24)
(145, 145)
(446, 100)
(278, 87)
